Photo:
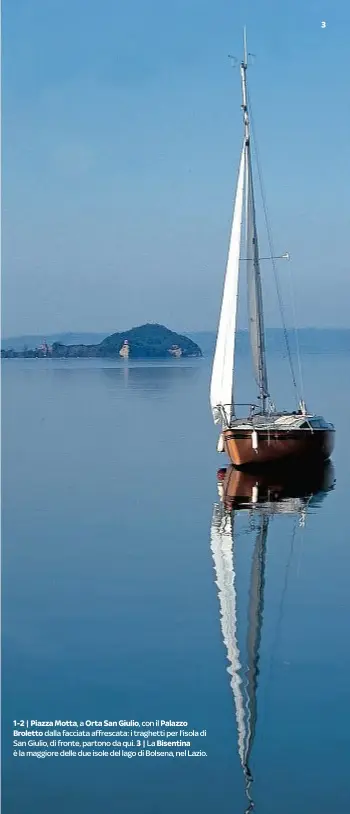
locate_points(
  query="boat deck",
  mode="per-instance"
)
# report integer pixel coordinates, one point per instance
(281, 421)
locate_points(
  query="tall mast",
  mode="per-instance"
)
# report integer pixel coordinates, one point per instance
(244, 66)
(245, 53)
(255, 303)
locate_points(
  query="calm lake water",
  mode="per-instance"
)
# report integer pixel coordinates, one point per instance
(111, 608)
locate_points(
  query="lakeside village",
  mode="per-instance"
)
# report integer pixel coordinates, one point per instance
(45, 350)
(28, 353)
(124, 352)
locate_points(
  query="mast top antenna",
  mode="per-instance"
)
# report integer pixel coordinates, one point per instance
(245, 56)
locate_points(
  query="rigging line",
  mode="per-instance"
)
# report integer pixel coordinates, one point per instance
(280, 615)
(302, 527)
(296, 334)
(301, 547)
(270, 241)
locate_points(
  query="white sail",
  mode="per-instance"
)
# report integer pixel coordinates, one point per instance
(255, 305)
(221, 543)
(221, 389)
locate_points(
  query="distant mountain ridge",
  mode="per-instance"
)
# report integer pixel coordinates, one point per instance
(32, 341)
(311, 340)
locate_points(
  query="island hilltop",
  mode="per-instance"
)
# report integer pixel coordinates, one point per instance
(146, 341)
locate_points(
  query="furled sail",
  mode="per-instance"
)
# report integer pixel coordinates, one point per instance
(255, 305)
(221, 389)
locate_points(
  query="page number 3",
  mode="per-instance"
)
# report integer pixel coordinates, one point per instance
(323, 24)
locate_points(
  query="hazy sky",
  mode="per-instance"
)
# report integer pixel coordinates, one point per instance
(121, 137)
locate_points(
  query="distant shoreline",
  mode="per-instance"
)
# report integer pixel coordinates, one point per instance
(149, 341)
(311, 340)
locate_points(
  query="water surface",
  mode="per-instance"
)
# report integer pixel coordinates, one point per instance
(110, 606)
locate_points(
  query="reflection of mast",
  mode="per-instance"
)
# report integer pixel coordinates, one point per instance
(255, 618)
(222, 549)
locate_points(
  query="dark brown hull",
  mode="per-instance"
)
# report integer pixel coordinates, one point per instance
(277, 445)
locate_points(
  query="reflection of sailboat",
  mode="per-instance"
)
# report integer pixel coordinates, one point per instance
(279, 490)
(263, 495)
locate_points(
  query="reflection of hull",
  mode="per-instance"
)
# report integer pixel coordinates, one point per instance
(274, 445)
(289, 486)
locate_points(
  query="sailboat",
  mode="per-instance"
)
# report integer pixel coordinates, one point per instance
(260, 497)
(266, 434)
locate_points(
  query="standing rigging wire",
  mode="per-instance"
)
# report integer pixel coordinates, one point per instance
(296, 335)
(272, 253)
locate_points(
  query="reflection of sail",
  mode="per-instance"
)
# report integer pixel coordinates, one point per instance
(274, 491)
(222, 548)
